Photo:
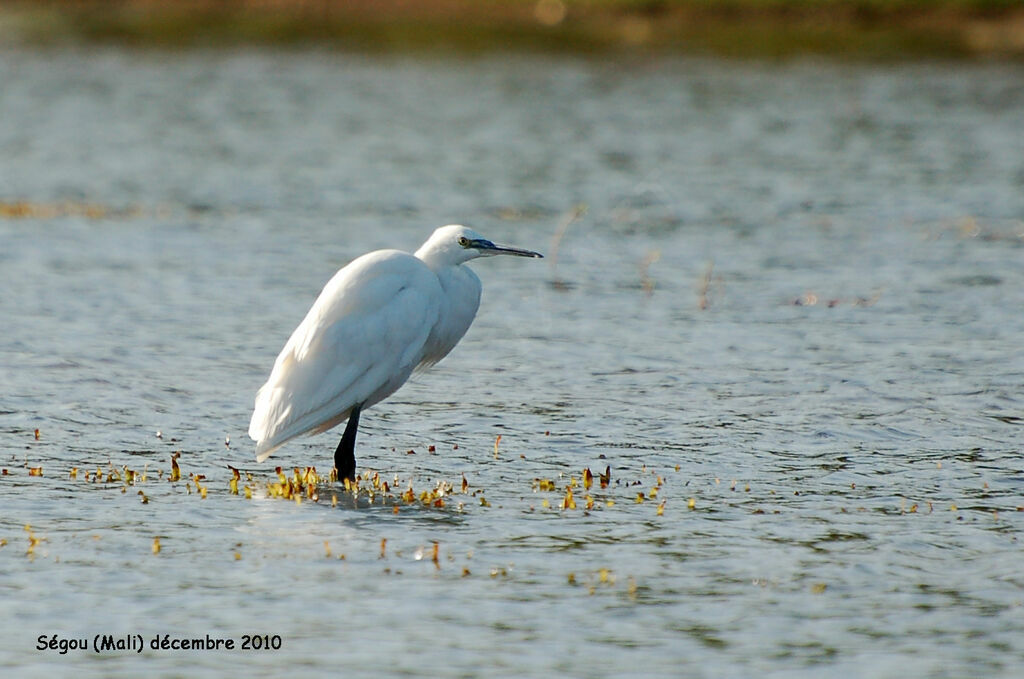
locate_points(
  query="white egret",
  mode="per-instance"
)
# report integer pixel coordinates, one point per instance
(382, 316)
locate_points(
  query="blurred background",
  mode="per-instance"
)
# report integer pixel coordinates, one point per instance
(866, 28)
(781, 304)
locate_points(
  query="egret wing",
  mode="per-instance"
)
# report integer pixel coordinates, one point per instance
(359, 343)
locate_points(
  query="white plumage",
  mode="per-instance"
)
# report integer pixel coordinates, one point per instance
(377, 320)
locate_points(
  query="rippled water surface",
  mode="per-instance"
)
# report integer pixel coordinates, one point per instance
(789, 314)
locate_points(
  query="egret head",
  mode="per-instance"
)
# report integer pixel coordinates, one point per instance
(456, 244)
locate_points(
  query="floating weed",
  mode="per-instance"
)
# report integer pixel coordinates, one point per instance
(25, 209)
(302, 483)
(33, 541)
(603, 579)
(646, 280)
(375, 488)
(367, 489)
(200, 488)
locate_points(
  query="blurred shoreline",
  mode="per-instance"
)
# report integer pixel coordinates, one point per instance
(869, 29)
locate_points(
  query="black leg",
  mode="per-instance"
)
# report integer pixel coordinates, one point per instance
(345, 455)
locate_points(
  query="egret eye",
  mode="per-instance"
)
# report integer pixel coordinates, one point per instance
(463, 241)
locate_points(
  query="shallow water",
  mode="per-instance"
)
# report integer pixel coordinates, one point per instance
(794, 298)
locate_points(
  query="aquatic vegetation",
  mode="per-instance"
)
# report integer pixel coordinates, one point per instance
(175, 469)
(27, 209)
(635, 493)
